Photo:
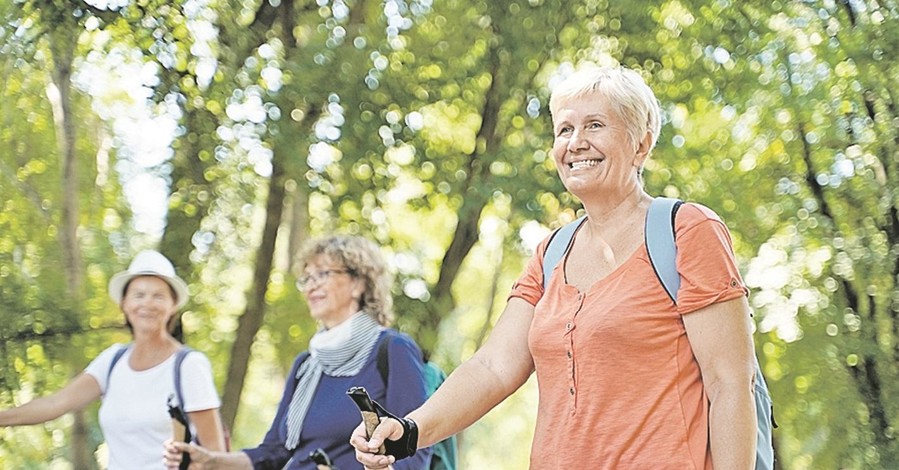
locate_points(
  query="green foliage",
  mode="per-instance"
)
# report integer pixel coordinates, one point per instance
(424, 126)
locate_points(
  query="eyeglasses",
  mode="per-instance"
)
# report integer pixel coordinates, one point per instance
(320, 276)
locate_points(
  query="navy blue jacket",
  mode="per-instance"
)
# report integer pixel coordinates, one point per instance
(333, 416)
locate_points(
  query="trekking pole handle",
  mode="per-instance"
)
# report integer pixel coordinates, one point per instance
(367, 409)
(321, 460)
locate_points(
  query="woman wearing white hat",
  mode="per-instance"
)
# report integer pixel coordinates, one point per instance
(135, 381)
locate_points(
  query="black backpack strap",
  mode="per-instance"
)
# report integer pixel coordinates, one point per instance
(382, 358)
(179, 359)
(115, 359)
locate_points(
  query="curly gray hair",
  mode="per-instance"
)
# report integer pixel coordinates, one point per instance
(364, 259)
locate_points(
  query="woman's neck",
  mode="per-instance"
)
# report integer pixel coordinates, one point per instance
(149, 351)
(632, 203)
(328, 323)
(158, 342)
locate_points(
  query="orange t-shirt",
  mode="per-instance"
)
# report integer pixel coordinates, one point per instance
(618, 384)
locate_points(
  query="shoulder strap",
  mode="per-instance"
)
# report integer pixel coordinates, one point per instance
(557, 247)
(115, 359)
(179, 358)
(660, 244)
(382, 357)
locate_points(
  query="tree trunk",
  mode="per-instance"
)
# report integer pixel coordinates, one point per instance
(63, 39)
(866, 375)
(285, 145)
(299, 223)
(191, 194)
(251, 319)
(59, 94)
(469, 214)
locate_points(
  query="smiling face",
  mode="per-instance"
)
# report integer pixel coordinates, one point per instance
(593, 153)
(149, 304)
(331, 291)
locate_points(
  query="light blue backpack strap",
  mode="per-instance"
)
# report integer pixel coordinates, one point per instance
(764, 411)
(557, 247)
(659, 235)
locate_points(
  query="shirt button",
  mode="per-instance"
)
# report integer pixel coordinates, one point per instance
(568, 326)
(571, 390)
(569, 354)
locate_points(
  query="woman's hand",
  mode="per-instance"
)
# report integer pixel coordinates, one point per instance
(367, 448)
(200, 458)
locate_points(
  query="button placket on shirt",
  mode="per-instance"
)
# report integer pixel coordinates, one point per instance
(569, 329)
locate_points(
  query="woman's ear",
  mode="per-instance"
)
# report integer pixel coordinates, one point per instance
(173, 323)
(358, 289)
(643, 148)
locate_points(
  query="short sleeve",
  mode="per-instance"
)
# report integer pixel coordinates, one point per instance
(197, 383)
(705, 260)
(99, 367)
(530, 285)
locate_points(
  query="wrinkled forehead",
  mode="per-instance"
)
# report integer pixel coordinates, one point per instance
(147, 282)
(594, 103)
(321, 261)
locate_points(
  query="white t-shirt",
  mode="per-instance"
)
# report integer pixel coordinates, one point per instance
(134, 413)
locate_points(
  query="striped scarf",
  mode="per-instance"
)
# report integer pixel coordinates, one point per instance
(343, 359)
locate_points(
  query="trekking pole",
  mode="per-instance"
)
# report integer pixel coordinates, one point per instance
(180, 430)
(321, 459)
(368, 410)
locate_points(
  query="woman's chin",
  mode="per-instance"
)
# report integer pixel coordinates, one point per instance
(147, 329)
(322, 319)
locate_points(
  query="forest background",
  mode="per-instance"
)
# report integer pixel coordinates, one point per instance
(226, 132)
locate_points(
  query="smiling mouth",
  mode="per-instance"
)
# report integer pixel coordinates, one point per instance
(582, 164)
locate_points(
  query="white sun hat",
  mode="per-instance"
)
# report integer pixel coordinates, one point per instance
(149, 263)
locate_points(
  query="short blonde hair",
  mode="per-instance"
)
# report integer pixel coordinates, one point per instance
(363, 258)
(631, 98)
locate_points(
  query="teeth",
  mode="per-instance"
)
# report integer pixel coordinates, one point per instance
(583, 164)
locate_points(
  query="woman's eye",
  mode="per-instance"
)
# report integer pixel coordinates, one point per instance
(594, 125)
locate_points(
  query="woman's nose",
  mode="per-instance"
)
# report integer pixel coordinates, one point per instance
(577, 141)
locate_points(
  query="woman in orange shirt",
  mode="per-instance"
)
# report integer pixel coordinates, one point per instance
(627, 379)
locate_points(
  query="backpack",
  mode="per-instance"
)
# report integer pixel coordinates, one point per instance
(179, 359)
(662, 250)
